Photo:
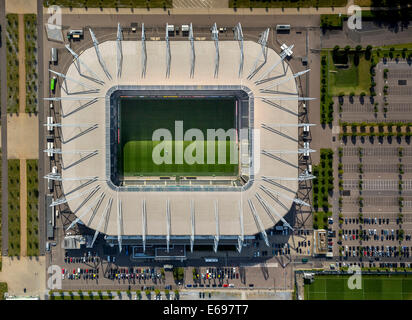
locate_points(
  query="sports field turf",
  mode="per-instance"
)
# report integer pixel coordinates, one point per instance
(140, 117)
(381, 287)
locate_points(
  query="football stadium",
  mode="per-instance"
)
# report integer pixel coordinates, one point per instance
(167, 143)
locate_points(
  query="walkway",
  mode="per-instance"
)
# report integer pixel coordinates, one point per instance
(187, 7)
(24, 273)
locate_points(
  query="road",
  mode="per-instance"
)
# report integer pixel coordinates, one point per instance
(41, 116)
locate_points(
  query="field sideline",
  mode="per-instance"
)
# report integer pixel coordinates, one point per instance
(379, 287)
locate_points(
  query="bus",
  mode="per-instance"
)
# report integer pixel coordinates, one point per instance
(211, 260)
(53, 83)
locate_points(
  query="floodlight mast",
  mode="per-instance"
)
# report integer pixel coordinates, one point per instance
(144, 53)
(239, 38)
(215, 38)
(119, 50)
(168, 55)
(99, 56)
(192, 54)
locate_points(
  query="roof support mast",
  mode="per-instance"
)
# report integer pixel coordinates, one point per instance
(192, 56)
(168, 224)
(99, 56)
(262, 41)
(239, 38)
(258, 222)
(215, 38)
(144, 55)
(119, 50)
(217, 236)
(168, 55)
(66, 89)
(241, 236)
(102, 219)
(78, 63)
(119, 224)
(144, 225)
(192, 214)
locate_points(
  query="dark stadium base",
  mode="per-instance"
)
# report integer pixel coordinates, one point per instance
(183, 178)
(156, 246)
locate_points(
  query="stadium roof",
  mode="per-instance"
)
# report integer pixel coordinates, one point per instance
(189, 212)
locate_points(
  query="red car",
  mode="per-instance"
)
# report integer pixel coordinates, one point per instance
(63, 271)
(74, 271)
(71, 260)
(225, 285)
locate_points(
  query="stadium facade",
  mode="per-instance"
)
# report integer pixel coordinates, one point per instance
(189, 211)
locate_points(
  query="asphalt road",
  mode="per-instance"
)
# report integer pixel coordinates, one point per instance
(4, 180)
(41, 117)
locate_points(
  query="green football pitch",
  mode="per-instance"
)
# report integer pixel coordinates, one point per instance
(379, 287)
(140, 117)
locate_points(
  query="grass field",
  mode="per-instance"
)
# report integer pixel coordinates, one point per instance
(140, 117)
(14, 206)
(381, 287)
(353, 79)
(32, 208)
(3, 290)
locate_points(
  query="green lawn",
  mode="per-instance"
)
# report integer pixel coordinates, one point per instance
(30, 31)
(3, 289)
(379, 287)
(352, 79)
(110, 3)
(141, 117)
(12, 49)
(138, 160)
(322, 186)
(32, 208)
(14, 206)
(285, 4)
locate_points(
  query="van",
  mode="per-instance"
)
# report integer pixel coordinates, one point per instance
(108, 258)
(53, 55)
(310, 168)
